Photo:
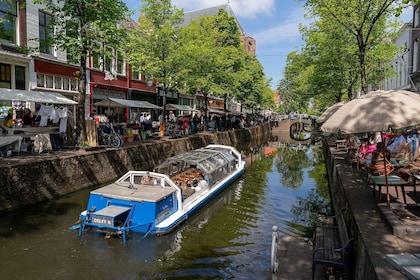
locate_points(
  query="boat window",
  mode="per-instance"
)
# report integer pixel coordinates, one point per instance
(137, 179)
(228, 155)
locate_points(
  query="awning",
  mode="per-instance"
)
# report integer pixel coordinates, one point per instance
(179, 107)
(34, 96)
(116, 102)
(216, 111)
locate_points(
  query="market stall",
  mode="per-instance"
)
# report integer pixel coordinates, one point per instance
(132, 129)
(47, 113)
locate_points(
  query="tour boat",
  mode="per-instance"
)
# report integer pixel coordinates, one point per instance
(157, 202)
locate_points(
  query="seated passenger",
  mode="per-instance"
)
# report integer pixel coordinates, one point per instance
(202, 184)
(145, 180)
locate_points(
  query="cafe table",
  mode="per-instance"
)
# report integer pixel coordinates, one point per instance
(393, 181)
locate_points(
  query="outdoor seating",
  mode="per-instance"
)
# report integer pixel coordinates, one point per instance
(391, 181)
(402, 154)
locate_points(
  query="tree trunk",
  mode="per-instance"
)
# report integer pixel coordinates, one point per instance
(206, 114)
(81, 120)
(163, 126)
(362, 60)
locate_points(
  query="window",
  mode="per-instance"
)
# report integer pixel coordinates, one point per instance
(66, 84)
(44, 33)
(49, 81)
(96, 57)
(20, 77)
(135, 75)
(73, 85)
(109, 61)
(57, 82)
(8, 15)
(120, 63)
(5, 76)
(40, 81)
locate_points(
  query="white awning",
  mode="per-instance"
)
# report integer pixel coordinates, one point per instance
(34, 96)
(116, 102)
(216, 111)
(179, 107)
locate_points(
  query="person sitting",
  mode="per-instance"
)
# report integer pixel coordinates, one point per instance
(9, 120)
(365, 152)
(395, 142)
(397, 145)
(202, 184)
(27, 117)
(145, 180)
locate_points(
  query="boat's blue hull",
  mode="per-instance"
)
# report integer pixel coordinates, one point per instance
(157, 202)
(165, 230)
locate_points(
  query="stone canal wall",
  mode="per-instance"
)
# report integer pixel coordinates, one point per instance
(372, 239)
(37, 178)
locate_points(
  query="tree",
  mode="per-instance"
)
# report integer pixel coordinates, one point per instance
(364, 20)
(251, 84)
(151, 46)
(293, 87)
(210, 58)
(333, 58)
(77, 27)
(327, 69)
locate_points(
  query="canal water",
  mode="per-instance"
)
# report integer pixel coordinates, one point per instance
(284, 184)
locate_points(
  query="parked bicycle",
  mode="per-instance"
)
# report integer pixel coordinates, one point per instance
(108, 136)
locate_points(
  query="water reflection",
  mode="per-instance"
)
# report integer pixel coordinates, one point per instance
(230, 238)
(301, 131)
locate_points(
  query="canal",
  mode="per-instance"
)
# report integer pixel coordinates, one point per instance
(284, 184)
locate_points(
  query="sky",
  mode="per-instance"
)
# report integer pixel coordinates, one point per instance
(274, 24)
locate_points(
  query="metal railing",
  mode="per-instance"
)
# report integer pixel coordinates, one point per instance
(274, 244)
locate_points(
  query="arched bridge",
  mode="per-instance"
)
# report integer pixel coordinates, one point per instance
(285, 125)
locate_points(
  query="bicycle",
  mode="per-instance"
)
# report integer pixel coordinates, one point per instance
(108, 136)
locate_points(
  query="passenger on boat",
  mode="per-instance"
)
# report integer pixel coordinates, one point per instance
(145, 180)
(202, 184)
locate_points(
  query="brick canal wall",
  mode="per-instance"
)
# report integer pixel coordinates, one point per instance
(31, 180)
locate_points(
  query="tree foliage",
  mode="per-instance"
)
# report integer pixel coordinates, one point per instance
(346, 48)
(365, 21)
(77, 27)
(211, 60)
(151, 45)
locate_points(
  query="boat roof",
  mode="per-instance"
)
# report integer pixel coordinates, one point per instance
(138, 192)
(207, 159)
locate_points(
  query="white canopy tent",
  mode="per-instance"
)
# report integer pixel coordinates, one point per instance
(116, 102)
(34, 96)
(179, 107)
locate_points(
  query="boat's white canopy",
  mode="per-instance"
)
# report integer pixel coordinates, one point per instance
(206, 159)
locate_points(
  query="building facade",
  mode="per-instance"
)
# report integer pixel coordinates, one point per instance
(28, 64)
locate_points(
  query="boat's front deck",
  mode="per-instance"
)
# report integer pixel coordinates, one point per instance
(134, 192)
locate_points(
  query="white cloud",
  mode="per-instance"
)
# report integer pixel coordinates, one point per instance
(249, 9)
(286, 30)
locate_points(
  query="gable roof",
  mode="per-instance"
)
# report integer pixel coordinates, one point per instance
(212, 11)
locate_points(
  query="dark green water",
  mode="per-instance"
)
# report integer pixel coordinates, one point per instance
(229, 239)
